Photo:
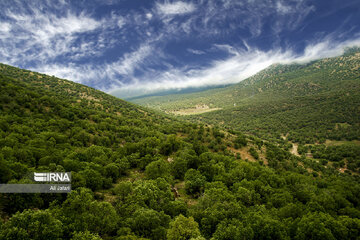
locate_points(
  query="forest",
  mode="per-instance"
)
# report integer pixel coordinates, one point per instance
(142, 174)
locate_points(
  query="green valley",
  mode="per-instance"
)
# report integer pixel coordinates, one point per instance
(141, 174)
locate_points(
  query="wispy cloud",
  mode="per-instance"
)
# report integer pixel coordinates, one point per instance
(105, 76)
(149, 15)
(195, 51)
(121, 22)
(175, 8)
(283, 9)
(249, 16)
(227, 48)
(324, 49)
(127, 64)
(69, 71)
(5, 27)
(35, 35)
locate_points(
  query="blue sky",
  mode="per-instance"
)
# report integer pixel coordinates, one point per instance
(133, 47)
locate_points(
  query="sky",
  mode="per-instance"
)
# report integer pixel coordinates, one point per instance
(134, 47)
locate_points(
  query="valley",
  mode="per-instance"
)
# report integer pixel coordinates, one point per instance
(277, 150)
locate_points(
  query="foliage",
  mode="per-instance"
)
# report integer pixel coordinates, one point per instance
(194, 181)
(182, 228)
(85, 236)
(32, 224)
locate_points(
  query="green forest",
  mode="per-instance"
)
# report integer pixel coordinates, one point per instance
(142, 174)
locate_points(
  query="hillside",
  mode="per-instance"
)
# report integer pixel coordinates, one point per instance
(308, 103)
(229, 95)
(138, 174)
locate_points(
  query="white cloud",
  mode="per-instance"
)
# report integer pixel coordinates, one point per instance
(95, 74)
(148, 15)
(175, 8)
(5, 27)
(231, 70)
(33, 35)
(250, 16)
(282, 9)
(324, 49)
(127, 64)
(121, 22)
(46, 26)
(70, 71)
(194, 51)
(227, 48)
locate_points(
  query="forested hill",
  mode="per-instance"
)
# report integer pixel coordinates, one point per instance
(141, 175)
(308, 103)
(76, 94)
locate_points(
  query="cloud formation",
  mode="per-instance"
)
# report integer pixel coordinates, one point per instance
(175, 8)
(130, 50)
(34, 35)
(194, 51)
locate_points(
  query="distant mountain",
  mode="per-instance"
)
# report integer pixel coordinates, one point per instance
(307, 102)
(176, 91)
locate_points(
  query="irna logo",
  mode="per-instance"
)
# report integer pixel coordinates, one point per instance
(52, 177)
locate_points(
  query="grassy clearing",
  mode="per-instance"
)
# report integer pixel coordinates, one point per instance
(337, 143)
(193, 111)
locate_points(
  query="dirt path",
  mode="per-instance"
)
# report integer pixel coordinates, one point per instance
(294, 149)
(244, 154)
